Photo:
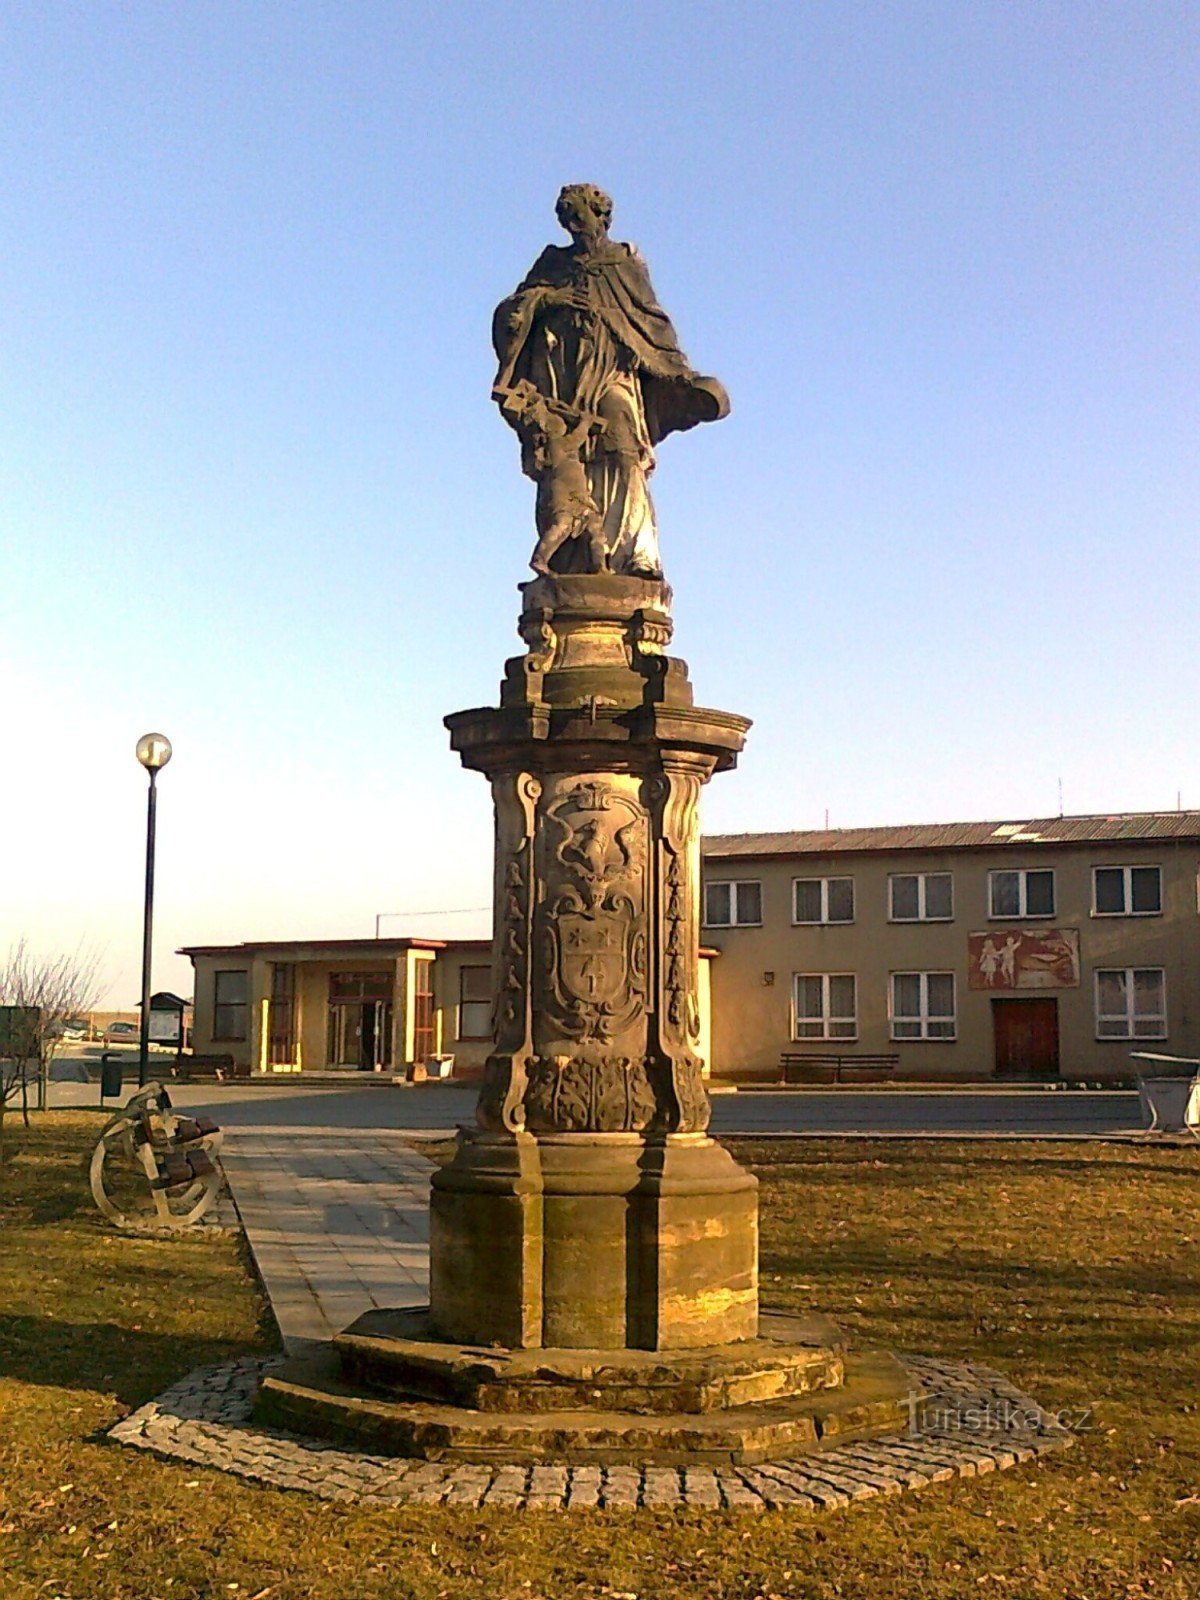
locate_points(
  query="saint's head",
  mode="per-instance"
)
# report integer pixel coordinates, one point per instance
(585, 212)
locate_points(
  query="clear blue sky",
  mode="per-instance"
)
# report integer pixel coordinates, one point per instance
(254, 494)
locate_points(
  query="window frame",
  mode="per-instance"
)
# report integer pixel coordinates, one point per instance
(220, 1005)
(464, 1001)
(922, 897)
(826, 1019)
(1127, 893)
(824, 920)
(1022, 915)
(924, 1018)
(1131, 1035)
(733, 885)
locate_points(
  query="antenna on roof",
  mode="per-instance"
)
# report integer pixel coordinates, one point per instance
(1060, 798)
(826, 819)
(1179, 799)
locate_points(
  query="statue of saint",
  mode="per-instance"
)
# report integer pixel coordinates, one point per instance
(591, 377)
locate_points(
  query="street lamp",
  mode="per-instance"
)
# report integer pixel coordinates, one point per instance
(153, 751)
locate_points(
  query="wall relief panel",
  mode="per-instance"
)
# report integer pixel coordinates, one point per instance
(592, 983)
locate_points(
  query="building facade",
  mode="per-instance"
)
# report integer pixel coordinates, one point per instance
(368, 1005)
(358, 1004)
(1048, 948)
(968, 951)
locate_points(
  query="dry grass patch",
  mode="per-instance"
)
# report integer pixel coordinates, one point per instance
(1071, 1267)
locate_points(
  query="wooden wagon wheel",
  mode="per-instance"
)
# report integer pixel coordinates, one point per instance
(177, 1182)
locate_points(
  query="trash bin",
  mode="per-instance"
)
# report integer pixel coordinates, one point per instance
(110, 1077)
(439, 1066)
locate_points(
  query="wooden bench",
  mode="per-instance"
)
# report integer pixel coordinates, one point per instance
(210, 1066)
(172, 1154)
(804, 1066)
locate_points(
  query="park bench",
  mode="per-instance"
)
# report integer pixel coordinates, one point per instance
(803, 1066)
(151, 1166)
(206, 1066)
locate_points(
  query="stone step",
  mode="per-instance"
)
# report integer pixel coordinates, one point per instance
(394, 1354)
(309, 1397)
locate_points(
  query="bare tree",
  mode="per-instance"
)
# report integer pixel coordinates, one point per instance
(43, 992)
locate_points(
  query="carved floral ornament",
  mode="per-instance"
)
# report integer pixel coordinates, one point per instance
(611, 1095)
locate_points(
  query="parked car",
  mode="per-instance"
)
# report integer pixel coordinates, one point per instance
(73, 1028)
(122, 1033)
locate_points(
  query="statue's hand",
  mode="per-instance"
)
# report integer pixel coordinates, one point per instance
(569, 295)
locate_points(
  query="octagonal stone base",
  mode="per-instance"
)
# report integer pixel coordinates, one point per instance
(594, 1242)
(394, 1353)
(390, 1388)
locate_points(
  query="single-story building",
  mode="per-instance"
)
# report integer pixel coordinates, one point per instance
(361, 1004)
(355, 1004)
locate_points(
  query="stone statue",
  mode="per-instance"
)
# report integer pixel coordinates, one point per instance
(593, 1262)
(591, 377)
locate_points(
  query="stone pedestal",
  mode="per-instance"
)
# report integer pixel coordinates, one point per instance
(591, 1211)
(596, 756)
(594, 1254)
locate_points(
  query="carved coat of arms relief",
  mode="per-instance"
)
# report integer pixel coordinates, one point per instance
(595, 842)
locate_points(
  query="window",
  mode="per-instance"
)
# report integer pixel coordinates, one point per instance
(922, 1005)
(1131, 1003)
(474, 1002)
(825, 1006)
(281, 1014)
(424, 1023)
(823, 900)
(360, 986)
(921, 897)
(1126, 891)
(1021, 894)
(230, 1005)
(733, 905)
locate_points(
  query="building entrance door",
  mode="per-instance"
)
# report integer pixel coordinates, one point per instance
(1026, 1035)
(360, 1020)
(376, 1037)
(360, 1034)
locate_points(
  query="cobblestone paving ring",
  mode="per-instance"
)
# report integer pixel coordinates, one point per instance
(966, 1420)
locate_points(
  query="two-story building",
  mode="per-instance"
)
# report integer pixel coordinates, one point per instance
(969, 950)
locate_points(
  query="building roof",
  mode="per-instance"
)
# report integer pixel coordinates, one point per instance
(379, 947)
(1130, 827)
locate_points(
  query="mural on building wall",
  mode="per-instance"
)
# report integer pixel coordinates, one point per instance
(1011, 958)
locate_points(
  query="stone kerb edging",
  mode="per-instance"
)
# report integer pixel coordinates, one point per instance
(968, 1420)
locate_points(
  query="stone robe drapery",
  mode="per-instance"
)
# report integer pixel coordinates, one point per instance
(619, 359)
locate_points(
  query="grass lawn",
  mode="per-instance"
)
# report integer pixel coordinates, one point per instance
(1071, 1267)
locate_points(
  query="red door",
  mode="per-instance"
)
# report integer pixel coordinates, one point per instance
(1026, 1033)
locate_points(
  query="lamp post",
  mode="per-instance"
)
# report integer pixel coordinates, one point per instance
(153, 751)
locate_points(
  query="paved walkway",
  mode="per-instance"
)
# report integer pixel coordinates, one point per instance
(338, 1222)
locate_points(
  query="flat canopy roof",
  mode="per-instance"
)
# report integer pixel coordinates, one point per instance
(1134, 827)
(380, 947)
